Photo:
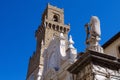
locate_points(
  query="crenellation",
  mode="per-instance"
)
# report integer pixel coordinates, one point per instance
(57, 23)
(55, 8)
(56, 27)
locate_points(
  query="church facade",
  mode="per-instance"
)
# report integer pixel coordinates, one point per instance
(56, 58)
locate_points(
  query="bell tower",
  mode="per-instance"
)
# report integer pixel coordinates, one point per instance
(52, 25)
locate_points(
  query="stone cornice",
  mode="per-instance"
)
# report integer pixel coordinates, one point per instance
(91, 57)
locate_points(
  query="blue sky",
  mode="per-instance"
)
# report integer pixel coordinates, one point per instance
(20, 18)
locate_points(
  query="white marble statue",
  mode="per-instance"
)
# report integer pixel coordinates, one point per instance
(95, 26)
(93, 35)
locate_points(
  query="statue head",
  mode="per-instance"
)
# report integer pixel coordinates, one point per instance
(95, 25)
(94, 19)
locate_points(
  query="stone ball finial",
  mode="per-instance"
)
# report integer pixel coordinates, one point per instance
(71, 42)
(95, 25)
(62, 36)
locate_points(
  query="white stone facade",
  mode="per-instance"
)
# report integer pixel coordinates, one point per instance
(57, 60)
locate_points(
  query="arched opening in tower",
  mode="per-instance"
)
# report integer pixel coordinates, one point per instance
(55, 18)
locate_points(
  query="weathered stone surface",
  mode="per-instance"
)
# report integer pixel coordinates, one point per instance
(96, 66)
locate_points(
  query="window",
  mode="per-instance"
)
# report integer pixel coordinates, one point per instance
(119, 49)
(55, 18)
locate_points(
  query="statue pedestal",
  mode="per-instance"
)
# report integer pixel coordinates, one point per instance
(94, 45)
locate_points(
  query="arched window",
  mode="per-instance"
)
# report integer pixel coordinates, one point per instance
(57, 28)
(49, 25)
(64, 29)
(56, 18)
(61, 28)
(53, 27)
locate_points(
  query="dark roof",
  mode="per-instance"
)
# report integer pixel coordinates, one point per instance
(111, 40)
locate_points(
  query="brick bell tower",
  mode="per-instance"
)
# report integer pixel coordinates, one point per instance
(52, 25)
